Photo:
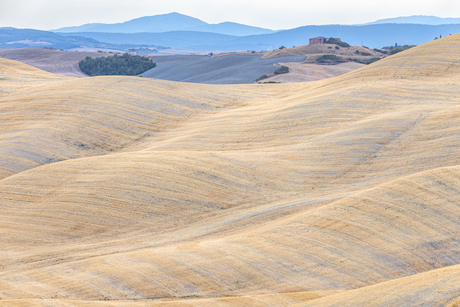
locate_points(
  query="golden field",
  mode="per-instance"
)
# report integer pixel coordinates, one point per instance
(126, 191)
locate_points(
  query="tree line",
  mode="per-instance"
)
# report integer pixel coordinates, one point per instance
(126, 64)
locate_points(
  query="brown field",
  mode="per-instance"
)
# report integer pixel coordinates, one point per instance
(125, 191)
(55, 61)
(300, 72)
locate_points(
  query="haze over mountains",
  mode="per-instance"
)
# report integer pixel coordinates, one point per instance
(184, 32)
(167, 23)
(127, 191)
(418, 19)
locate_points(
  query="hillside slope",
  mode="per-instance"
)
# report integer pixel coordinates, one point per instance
(57, 62)
(123, 191)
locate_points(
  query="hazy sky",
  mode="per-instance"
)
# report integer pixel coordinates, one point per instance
(280, 14)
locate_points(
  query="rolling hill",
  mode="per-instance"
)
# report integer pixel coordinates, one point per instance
(57, 62)
(125, 191)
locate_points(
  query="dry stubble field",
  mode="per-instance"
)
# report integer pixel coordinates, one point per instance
(123, 191)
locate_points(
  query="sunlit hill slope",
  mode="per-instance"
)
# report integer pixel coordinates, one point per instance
(124, 191)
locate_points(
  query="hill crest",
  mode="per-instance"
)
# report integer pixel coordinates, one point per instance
(167, 23)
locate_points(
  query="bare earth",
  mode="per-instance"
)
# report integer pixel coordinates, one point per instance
(300, 72)
(222, 69)
(58, 62)
(128, 191)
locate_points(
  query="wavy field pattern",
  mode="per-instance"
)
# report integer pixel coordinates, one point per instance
(124, 191)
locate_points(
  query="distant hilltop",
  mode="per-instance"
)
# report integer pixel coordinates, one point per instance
(166, 23)
(179, 22)
(179, 31)
(418, 19)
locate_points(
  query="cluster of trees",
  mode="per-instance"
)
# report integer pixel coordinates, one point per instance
(330, 59)
(395, 49)
(282, 70)
(126, 64)
(335, 42)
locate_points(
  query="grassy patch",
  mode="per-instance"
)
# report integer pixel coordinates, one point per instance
(330, 59)
(364, 61)
(261, 78)
(281, 70)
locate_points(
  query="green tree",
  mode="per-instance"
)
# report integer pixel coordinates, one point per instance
(126, 64)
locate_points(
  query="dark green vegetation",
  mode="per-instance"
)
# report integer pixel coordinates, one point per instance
(364, 61)
(380, 50)
(337, 42)
(330, 59)
(261, 78)
(126, 64)
(281, 70)
(394, 50)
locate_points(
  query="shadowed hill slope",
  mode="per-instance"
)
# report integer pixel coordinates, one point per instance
(229, 69)
(327, 192)
(57, 62)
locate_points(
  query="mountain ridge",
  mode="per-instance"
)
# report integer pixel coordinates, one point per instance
(167, 23)
(417, 19)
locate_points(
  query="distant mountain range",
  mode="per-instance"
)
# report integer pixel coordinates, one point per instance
(27, 38)
(374, 36)
(418, 19)
(183, 32)
(167, 23)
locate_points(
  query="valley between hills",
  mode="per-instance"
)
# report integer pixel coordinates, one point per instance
(128, 191)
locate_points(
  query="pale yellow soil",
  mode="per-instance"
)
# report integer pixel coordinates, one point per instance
(126, 191)
(299, 72)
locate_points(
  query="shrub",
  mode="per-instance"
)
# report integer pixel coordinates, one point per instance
(394, 50)
(281, 48)
(357, 51)
(330, 59)
(365, 61)
(380, 50)
(337, 47)
(336, 42)
(128, 65)
(365, 53)
(281, 70)
(261, 78)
